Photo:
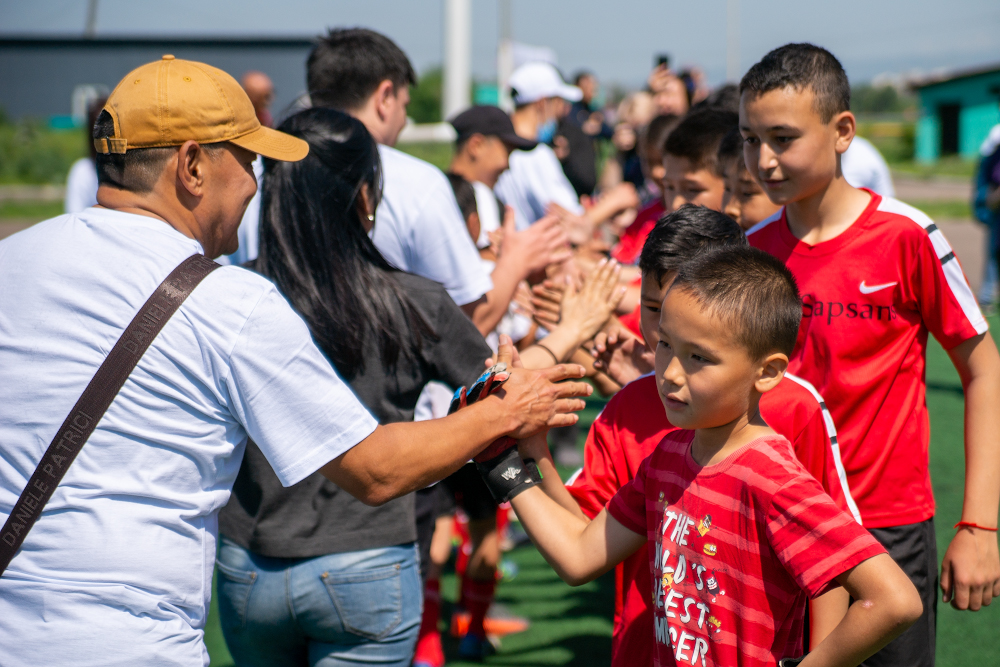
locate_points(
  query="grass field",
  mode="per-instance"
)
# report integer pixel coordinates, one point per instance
(572, 626)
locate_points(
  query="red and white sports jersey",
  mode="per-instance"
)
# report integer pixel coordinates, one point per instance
(630, 427)
(735, 549)
(869, 296)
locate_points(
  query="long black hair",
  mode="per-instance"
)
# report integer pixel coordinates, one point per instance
(314, 247)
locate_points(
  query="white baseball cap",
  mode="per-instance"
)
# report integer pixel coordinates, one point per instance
(536, 81)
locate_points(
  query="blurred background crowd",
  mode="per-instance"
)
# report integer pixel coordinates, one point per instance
(600, 98)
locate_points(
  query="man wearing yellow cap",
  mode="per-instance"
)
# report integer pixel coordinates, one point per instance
(118, 568)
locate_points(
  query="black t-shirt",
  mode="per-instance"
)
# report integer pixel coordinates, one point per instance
(580, 166)
(317, 517)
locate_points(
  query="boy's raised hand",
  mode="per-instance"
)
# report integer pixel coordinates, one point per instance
(621, 356)
(538, 399)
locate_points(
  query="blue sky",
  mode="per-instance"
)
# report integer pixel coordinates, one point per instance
(615, 39)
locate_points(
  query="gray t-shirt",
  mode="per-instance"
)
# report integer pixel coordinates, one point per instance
(315, 516)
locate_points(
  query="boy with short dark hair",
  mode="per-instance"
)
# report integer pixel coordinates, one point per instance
(743, 200)
(739, 533)
(689, 159)
(632, 424)
(876, 277)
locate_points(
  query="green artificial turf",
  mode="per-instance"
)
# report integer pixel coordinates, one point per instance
(572, 626)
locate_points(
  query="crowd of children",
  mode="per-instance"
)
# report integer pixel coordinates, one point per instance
(760, 475)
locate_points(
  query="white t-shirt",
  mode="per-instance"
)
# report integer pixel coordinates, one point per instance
(864, 167)
(536, 179)
(118, 569)
(249, 230)
(81, 186)
(490, 215)
(419, 228)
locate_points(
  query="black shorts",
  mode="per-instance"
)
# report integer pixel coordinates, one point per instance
(466, 488)
(471, 493)
(914, 548)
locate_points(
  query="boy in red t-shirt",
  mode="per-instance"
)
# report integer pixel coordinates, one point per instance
(743, 199)
(876, 276)
(691, 171)
(629, 244)
(633, 423)
(738, 534)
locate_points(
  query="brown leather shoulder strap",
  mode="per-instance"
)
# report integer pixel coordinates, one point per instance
(97, 398)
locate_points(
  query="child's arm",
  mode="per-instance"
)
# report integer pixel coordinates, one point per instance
(578, 551)
(886, 603)
(970, 571)
(537, 448)
(825, 613)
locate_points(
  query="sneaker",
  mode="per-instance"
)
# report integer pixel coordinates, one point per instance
(499, 622)
(475, 648)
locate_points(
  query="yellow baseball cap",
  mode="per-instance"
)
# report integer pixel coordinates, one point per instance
(170, 101)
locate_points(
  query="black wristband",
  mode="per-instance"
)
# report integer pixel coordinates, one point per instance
(507, 475)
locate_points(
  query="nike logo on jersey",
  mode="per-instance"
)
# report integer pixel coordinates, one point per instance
(866, 289)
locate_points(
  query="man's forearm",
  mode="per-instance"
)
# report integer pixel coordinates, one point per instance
(403, 457)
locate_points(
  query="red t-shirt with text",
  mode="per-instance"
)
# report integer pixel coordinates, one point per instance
(870, 296)
(735, 550)
(630, 427)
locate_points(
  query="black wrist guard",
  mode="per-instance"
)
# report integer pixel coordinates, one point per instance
(507, 475)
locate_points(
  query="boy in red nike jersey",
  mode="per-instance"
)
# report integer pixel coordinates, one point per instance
(633, 423)
(876, 276)
(737, 533)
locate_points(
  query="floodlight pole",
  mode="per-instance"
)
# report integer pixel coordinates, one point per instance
(457, 93)
(505, 54)
(733, 40)
(90, 29)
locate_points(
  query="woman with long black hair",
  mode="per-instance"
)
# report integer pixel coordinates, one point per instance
(308, 575)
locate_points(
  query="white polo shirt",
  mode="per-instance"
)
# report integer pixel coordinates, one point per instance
(118, 569)
(419, 228)
(81, 186)
(536, 179)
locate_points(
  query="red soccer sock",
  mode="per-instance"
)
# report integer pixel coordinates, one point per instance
(429, 650)
(478, 596)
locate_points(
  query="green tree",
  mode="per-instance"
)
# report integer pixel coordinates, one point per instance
(885, 99)
(425, 97)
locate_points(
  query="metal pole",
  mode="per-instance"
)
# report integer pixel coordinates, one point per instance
(457, 93)
(505, 54)
(90, 29)
(733, 40)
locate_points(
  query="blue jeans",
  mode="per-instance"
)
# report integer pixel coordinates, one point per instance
(361, 607)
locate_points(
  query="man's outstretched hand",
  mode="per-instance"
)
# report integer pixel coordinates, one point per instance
(538, 399)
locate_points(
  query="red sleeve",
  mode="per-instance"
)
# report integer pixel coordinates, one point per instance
(598, 481)
(813, 539)
(935, 284)
(628, 507)
(818, 455)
